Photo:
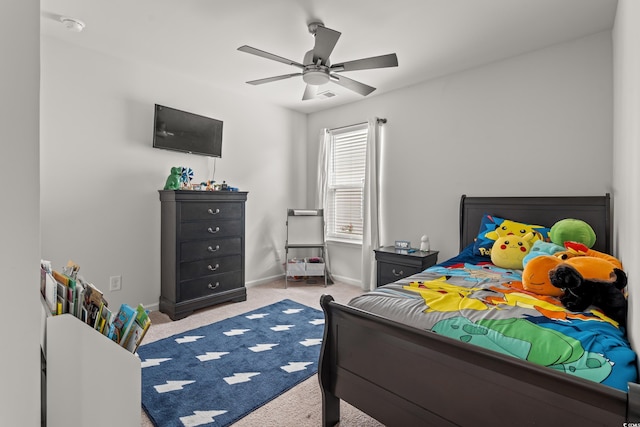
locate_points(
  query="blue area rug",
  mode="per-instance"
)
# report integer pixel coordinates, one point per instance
(216, 374)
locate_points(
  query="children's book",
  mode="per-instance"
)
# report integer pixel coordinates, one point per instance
(49, 289)
(138, 329)
(122, 323)
(93, 301)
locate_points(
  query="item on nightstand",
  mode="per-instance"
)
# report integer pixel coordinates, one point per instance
(403, 244)
(173, 180)
(424, 244)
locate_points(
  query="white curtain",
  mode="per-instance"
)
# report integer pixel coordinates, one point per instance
(321, 191)
(370, 209)
(323, 167)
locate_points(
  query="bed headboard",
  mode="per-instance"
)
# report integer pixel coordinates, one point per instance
(595, 210)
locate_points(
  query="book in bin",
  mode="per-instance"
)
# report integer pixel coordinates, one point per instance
(68, 293)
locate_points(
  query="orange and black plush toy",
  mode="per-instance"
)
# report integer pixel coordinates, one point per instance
(579, 293)
(589, 263)
(580, 280)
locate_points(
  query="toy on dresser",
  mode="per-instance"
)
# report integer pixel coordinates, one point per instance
(173, 180)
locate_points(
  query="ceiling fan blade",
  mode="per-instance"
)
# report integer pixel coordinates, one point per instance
(273, 79)
(353, 85)
(326, 40)
(262, 53)
(382, 61)
(309, 92)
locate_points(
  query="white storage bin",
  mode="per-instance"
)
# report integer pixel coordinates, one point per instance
(314, 268)
(296, 268)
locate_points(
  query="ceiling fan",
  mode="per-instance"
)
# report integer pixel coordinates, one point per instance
(316, 68)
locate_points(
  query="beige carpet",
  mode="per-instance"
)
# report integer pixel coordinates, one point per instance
(299, 407)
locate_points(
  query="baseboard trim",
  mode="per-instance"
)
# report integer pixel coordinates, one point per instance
(152, 307)
(348, 280)
(341, 279)
(264, 280)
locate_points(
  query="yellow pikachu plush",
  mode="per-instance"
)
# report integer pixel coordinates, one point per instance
(509, 251)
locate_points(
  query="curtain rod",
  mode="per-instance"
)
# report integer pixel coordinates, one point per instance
(379, 120)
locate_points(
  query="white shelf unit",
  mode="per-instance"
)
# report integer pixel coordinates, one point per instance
(305, 230)
(89, 380)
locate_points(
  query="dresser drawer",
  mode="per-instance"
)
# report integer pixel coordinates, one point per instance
(211, 228)
(205, 267)
(204, 249)
(197, 211)
(210, 285)
(392, 272)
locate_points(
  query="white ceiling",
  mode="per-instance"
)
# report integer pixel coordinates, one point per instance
(431, 38)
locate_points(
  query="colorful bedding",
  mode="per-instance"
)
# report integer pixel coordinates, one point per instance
(469, 299)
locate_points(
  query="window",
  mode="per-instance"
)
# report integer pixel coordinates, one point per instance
(345, 183)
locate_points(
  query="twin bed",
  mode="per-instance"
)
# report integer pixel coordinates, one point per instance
(463, 344)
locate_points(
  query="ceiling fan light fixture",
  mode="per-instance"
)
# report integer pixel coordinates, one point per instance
(316, 67)
(315, 77)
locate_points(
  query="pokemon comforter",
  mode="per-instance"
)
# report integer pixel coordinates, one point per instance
(470, 299)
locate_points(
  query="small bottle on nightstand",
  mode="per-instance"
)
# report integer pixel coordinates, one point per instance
(424, 244)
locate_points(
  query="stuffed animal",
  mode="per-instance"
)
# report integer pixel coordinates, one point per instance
(536, 274)
(173, 180)
(510, 228)
(572, 230)
(575, 249)
(508, 251)
(580, 293)
(540, 247)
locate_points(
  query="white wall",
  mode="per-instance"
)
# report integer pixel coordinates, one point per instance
(626, 151)
(100, 174)
(19, 222)
(535, 124)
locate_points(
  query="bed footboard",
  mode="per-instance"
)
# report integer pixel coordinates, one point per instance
(405, 376)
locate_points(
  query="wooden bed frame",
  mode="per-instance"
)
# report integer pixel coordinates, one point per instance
(403, 376)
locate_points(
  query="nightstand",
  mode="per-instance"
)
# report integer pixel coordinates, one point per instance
(394, 265)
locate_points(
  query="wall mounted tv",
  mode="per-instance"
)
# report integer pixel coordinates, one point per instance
(187, 132)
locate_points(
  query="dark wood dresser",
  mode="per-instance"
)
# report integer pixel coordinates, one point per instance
(202, 250)
(395, 264)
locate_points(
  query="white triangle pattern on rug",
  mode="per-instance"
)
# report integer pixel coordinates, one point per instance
(211, 355)
(215, 361)
(187, 339)
(200, 418)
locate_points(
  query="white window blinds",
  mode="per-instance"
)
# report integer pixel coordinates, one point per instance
(345, 183)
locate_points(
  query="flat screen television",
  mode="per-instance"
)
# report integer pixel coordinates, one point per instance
(187, 132)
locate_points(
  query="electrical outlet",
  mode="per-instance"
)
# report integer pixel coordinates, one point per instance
(115, 283)
(278, 255)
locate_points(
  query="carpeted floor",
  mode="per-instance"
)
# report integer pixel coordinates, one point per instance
(298, 407)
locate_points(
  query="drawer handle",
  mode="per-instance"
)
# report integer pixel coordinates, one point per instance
(210, 249)
(212, 212)
(213, 268)
(397, 274)
(212, 287)
(212, 231)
